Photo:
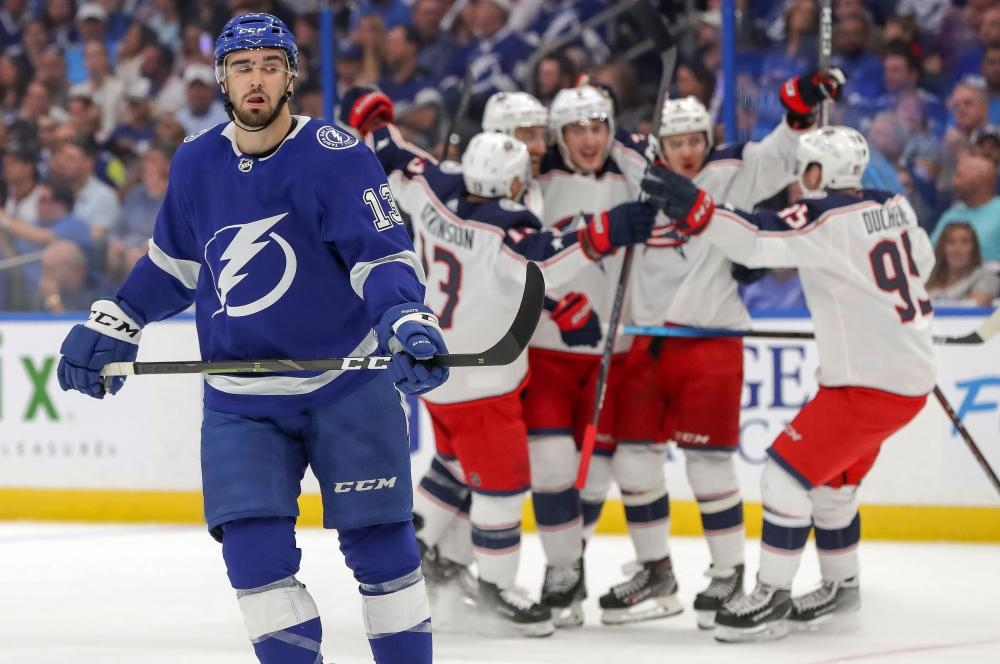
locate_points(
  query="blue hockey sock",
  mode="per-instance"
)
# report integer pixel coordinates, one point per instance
(386, 563)
(280, 615)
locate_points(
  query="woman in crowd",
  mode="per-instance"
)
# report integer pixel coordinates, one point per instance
(959, 274)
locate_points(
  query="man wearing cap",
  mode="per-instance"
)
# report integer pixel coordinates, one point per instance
(416, 99)
(203, 109)
(133, 136)
(91, 24)
(498, 60)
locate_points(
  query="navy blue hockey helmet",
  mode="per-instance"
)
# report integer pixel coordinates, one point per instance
(252, 31)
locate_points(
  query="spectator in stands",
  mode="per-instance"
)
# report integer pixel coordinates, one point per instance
(865, 71)
(34, 41)
(499, 57)
(96, 203)
(348, 66)
(102, 86)
(694, 79)
(36, 103)
(959, 275)
(130, 51)
(58, 18)
(986, 142)
(51, 73)
(391, 12)
(54, 221)
(68, 283)
(901, 77)
(370, 36)
(168, 88)
(415, 97)
(133, 136)
(925, 213)
(20, 175)
(91, 24)
(991, 77)
(165, 20)
(977, 203)
(970, 60)
(437, 46)
(969, 107)
(169, 133)
(13, 83)
(129, 240)
(203, 109)
(14, 16)
(553, 73)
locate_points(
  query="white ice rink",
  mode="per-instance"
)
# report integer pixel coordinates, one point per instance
(72, 594)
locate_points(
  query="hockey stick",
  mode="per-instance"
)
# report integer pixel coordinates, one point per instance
(984, 332)
(505, 351)
(451, 137)
(967, 437)
(825, 52)
(652, 22)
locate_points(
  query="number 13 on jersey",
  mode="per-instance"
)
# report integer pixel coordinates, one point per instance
(383, 220)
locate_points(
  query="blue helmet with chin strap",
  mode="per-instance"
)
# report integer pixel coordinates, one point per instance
(253, 31)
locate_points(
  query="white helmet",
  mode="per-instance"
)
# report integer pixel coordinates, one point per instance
(683, 116)
(841, 151)
(492, 162)
(581, 104)
(507, 111)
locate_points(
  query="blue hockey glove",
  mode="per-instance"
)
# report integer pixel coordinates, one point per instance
(111, 334)
(622, 225)
(578, 324)
(680, 199)
(411, 333)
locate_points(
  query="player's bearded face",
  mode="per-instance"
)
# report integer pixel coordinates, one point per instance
(256, 82)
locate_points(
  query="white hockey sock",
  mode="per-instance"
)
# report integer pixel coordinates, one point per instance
(638, 469)
(556, 503)
(496, 536)
(787, 521)
(438, 499)
(712, 475)
(838, 531)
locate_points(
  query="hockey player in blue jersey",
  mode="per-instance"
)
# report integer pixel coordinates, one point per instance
(284, 234)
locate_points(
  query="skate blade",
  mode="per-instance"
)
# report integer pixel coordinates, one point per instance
(567, 617)
(495, 626)
(650, 609)
(706, 619)
(841, 619)
(771, 631)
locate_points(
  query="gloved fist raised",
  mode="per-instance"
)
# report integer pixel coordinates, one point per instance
(111, 334)
(801, 94)
(622, 225)
(578, 324)
(410, 332)
(365, 109)
(690, 207)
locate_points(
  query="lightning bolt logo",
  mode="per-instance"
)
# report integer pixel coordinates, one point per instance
(244, 246)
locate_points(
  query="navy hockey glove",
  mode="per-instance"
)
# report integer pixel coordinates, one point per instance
(690, 207)
(365, 109)
(411, 333)
(578, 324)
(622, 225)
(802, 94)
(111, 334)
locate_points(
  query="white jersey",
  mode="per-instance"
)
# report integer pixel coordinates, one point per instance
(862, 262)
(474, 255)
(572, 198)
(688, 281)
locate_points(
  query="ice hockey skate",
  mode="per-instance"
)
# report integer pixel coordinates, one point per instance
(651, 593)
(509, 611)
(563, 591)
(820, 605)
(759, 616)
(726, 585)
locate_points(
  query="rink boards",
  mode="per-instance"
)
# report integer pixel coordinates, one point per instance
(134, 457)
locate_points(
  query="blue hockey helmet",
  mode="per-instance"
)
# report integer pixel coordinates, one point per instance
(252, 31)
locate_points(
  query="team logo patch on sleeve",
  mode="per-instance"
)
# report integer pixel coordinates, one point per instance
(332, 138)
(188, 139)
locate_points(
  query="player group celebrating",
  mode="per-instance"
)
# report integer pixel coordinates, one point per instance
(288, 234)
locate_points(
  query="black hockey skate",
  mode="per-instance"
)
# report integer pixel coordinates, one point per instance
(725, 586)
(446, 577)
(510, 610)
(651, 593)
(818, 606)
(759, 616)
(563, 591)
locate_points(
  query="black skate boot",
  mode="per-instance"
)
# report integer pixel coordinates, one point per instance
(833, 597)
(726, 585)
(651, 593)
(563, 591)
(759, 616)
(511, 610)
(446, 577)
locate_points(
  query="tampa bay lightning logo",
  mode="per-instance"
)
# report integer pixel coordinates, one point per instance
(255, 258)
(332, 138)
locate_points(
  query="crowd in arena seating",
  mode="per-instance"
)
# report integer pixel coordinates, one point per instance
(96, 96)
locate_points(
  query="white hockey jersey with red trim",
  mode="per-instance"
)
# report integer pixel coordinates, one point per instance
(689, 281)
(474, 256)
(571, 199)
(862, 261)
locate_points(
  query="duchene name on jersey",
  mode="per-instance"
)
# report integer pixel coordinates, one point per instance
(440, 227)
(884, 218)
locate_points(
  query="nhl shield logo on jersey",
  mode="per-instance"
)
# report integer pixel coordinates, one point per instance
(245, 165)
(332, 138)
(252, 266)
